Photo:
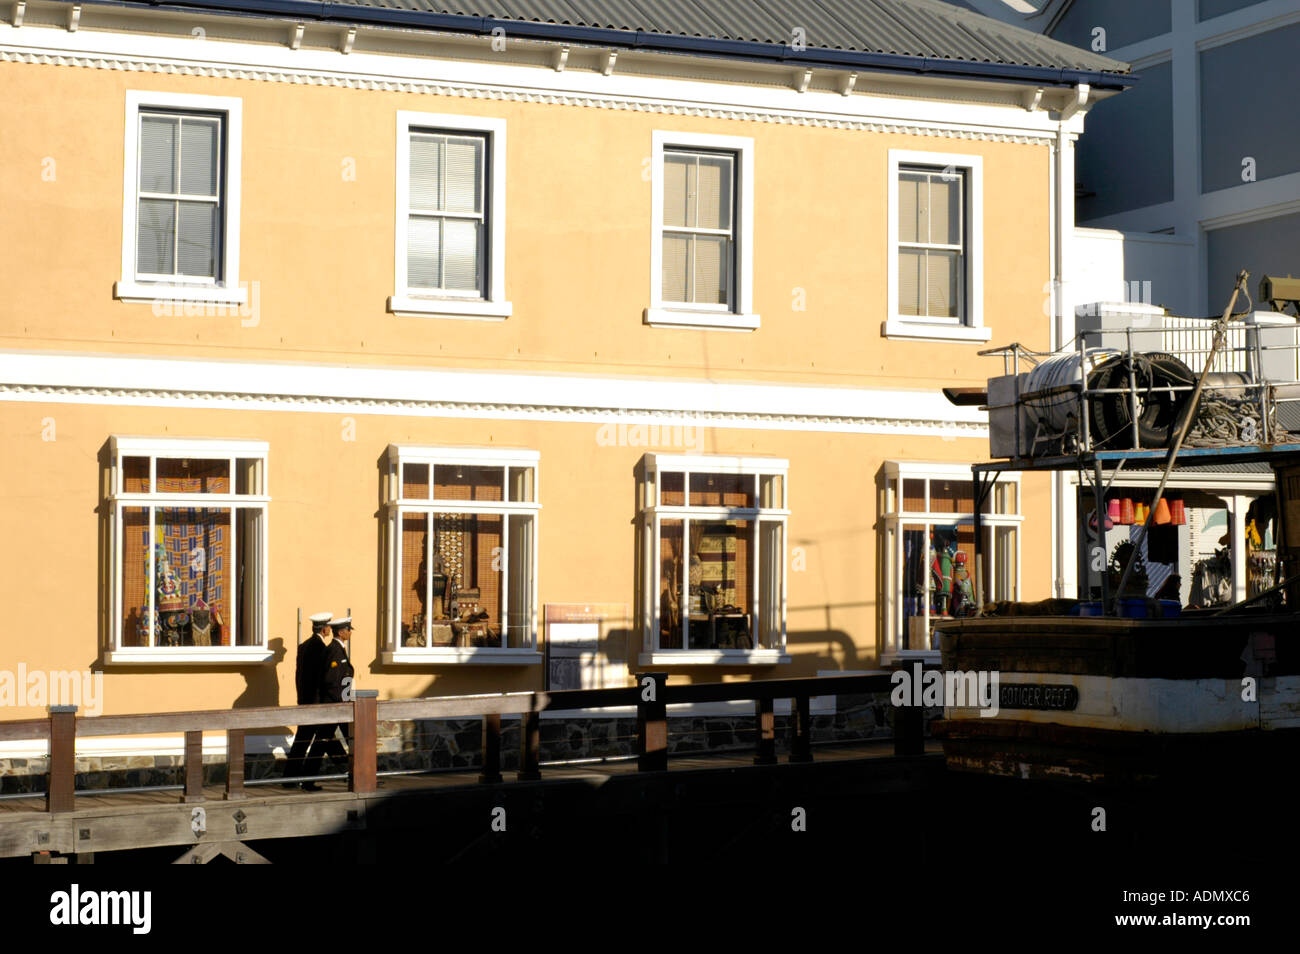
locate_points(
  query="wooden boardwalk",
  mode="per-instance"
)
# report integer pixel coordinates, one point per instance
(200, 830)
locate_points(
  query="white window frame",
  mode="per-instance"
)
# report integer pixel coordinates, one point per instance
(225, 288)
(911, 326)
(648, 524)
(739, 315)
(894, 639)
(118, 499)
(398, 505)
(422, 302)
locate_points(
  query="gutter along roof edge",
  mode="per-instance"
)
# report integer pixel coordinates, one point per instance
(812, 57)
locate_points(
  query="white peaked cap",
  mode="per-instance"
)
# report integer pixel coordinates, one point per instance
(341, 621)
(321, 617)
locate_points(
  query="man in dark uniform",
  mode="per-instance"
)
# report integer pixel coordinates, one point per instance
(309, 678)
(336, 674)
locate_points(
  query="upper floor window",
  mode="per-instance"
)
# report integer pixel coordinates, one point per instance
(461, 555)
(450, 250)
(935, 236)
(702, 242)
(189, 549)
(180, 237)
(711, 559)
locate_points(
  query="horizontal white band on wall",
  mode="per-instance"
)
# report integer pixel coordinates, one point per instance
(136, 746)
(59, 377)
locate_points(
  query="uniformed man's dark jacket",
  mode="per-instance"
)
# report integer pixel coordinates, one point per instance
(310, 674)
(335, 669)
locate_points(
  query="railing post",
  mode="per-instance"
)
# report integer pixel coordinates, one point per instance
(491, 773)
(193, 767)
(765, 732)
(234, 764)
(652, 723)
(363, 768)
(530, 740)
(801, 745)
(60, 795)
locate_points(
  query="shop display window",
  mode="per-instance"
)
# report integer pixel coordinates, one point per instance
(462, 549)
(711, 555)
(929, 561)
(189, 546)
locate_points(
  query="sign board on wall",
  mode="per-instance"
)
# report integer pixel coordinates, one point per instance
(586, 645)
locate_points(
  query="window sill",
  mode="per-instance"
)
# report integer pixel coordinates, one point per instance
(714, 657)
(700, 320)
(407, 307)
(934, 332)
(454, 656)
(145, 293)
(189, 656)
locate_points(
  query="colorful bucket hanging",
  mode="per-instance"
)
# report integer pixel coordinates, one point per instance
(1162, 512)
(1125, 511)
(1178, 511)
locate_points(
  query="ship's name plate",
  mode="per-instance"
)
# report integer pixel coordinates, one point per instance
(1036, 696)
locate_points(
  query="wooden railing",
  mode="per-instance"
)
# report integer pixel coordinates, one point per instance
(651, 696)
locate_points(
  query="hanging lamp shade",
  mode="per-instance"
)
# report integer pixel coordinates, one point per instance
(1178, 512)
(1140, 512)
(1125, 511)
(1112, 512)
(1162, 512)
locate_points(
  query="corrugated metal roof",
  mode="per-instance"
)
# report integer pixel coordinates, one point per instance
(929, 29)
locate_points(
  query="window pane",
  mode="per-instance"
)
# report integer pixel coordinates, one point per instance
(461, 245)
(914, 496)
(156, 237)
(910, 192)
(943, 283)
(177, 475)
(426, 172)
(772, 551)
(470, 547)
(916, 587)
(252, 520)
(136, 630)
(464, 167)
(158, 154)
(771, 491)
(945, 210)
(415, 481)
(423, 247)
(1004, 564)
(463, 482)
(720, 578)
(670, 584)
(194, 576)
(676, 272)
(951, 495)
(722, 490)
(135, 475)
(672, 491)
(714, 201)
(711, 260)
(679, 175)
(198, 239)
(414, 617)
(521, 484)
(199, 142)
(910, 284)
(519, 618)
(248, 475)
